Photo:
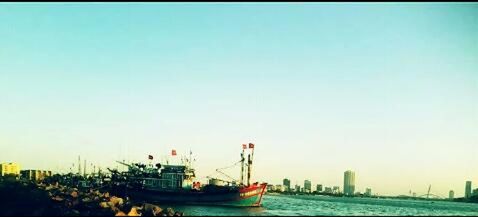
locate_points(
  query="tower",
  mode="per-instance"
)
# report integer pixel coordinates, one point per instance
(349, 183)
(468, 189)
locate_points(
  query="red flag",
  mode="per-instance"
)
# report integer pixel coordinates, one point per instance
(150, 157)
(173, 152)
(251, 145)
(244, 146)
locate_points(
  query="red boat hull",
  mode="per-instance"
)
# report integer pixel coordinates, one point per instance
(249, 196)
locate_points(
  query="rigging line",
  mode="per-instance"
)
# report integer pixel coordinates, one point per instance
(207, 176)
(229, 166)
(216, 172)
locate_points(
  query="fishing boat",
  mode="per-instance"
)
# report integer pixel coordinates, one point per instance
(176, 184)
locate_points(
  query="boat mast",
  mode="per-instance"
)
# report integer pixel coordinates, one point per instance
(84, 169)
(79, 165)
(249, 164)
(242, 163)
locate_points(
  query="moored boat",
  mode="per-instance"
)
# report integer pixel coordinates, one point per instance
(176, 184)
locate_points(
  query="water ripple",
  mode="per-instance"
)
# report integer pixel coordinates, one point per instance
(281, 205)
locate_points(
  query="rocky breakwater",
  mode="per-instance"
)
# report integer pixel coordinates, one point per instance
(90, 202)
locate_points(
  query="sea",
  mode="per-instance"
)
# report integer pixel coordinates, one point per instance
(317, 205)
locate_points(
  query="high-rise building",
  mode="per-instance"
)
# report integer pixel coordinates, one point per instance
(297, 188)
(328, 190)
(280, 188)
(368, 192)
(307, 186)
(349, 183)
(319, 188)
(35, 175)
(468, 189)
(286, 183)
(336, 190)
(451, 195)
(475, 192)
(9, 168)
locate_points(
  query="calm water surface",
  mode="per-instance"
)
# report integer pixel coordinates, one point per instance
(279, 205)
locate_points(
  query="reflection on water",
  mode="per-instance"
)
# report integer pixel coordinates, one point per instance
(322, 205)
(219, 210)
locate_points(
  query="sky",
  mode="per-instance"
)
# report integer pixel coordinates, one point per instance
(388, 90)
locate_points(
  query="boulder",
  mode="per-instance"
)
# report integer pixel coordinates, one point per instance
(115, 209)
(134, 211)
(86, 200)
(120, 213)
(151, 210)
(170, 211)
(97, 193)
(74, 194)
(57, 198)
(157, 211)
(116, 201)
(104, 205)
(110, 204)
(106, 195)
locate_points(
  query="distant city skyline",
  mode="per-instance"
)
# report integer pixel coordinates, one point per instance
(388, 90)
(350, 189)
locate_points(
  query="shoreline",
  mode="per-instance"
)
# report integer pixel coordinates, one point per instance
(472, 200)
(26, 198)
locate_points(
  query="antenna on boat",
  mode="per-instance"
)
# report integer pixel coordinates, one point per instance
(190, 154)
(79, 165)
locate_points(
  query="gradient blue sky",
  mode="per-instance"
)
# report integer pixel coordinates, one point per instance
(387, 90)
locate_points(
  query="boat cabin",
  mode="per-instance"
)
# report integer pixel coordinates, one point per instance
(172, 177)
